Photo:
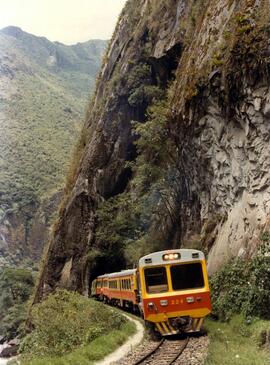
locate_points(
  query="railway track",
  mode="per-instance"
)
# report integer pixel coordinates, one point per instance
(167, 352)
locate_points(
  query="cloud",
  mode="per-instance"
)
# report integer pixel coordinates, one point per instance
(67, 21)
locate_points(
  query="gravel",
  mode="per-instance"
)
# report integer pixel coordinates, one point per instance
(196, 351)
(194, 354)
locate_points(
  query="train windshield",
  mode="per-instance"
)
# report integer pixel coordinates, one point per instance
(187, 276)
(156, 280)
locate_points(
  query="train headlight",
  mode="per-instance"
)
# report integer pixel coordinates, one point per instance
(151, 305)
(171, 256)
(190, 299)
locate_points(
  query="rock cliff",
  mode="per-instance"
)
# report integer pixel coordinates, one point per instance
(212, 59)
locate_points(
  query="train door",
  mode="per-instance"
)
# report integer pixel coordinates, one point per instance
(139, 293)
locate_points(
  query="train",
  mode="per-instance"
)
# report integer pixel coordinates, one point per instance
(169, 289)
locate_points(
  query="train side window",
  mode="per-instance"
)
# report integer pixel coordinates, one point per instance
(156, 280)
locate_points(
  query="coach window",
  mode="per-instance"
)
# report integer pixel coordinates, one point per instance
(156, 280)
(187, 276)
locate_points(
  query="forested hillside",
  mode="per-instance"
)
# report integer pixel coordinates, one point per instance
(44, 87)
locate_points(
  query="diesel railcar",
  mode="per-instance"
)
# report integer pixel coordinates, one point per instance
(169, 288)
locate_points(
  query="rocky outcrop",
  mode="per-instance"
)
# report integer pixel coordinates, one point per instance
(22, 236)
(103, 172)
(219, 118)
(237, 153)
(226, 124)
(10, 350)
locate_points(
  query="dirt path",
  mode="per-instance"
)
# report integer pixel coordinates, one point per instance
(123, 350)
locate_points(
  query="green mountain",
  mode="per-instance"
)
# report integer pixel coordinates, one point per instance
(44, 87)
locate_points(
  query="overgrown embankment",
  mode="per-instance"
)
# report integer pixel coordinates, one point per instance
(71, 329)
(239, 329)
(238, 342)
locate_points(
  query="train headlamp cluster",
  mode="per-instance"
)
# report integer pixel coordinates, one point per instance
(171, 256)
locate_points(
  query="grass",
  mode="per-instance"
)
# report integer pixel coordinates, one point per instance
(237, 342)
(89, 354)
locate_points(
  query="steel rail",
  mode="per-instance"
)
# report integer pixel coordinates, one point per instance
(159, 346)
(180, 352)
(150, 353)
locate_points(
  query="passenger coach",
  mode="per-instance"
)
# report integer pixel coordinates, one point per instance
(169, 288)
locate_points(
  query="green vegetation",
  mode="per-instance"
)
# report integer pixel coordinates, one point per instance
(125, 221)
(41, 113)
(16, 286)
(238, 342)
(72, 329)
(243, 286)
(240, 294)
(43, 90)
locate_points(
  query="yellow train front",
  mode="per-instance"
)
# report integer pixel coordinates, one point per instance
(174, 290)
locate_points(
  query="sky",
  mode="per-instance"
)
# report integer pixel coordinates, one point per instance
(66, 21)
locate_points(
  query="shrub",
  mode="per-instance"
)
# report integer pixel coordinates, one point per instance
(16, 286)
(65, 321)
(243, 287)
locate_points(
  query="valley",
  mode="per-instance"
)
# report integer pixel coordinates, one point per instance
(44, 87)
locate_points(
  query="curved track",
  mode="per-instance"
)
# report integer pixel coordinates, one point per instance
(167, 352)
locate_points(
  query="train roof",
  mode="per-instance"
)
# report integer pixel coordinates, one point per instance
(185, 255)
(118, 274)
